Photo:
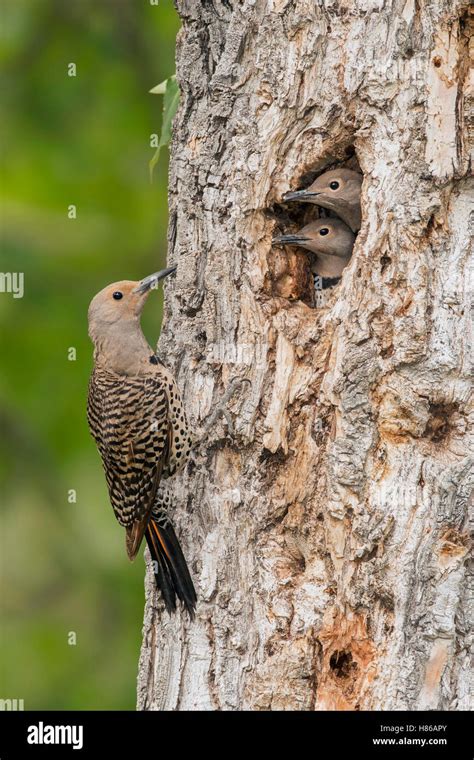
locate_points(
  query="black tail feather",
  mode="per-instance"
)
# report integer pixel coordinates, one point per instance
(170, 568)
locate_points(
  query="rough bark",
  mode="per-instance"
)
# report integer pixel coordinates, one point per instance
(325, 519)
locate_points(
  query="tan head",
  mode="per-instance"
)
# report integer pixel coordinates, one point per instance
(330, 239)
(338, 190)
(114, 314)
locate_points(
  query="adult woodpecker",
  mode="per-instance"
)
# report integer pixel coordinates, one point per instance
(337, 190)
(137, 419)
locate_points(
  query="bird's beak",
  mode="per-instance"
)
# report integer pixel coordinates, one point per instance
(300, 195)
(290, 240)
(151, 282)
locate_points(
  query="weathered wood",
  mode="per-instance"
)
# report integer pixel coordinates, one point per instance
(327, 527)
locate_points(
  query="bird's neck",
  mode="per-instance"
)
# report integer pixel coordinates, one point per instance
(350, 213)
(123, 349)
(328, 265)
(352, 217)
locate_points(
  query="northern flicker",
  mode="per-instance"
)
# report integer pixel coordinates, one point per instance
(137, 419)
(337, 190)
(330, 241)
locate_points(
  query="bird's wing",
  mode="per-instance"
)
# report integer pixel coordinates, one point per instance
(129, 420)
(136, 530)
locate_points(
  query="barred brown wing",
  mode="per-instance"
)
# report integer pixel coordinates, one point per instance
(128, 418)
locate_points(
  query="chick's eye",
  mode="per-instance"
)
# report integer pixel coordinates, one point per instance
(334, 185)
(324, 231)
(117, 295)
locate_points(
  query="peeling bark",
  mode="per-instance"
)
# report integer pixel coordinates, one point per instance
(325, 516)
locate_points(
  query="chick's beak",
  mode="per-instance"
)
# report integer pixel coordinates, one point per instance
(299, 195)
(290, 240)
(151, 282)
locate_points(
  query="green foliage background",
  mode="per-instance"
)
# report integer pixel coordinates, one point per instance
(83, 141)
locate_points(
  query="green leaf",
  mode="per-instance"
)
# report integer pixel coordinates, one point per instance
(170, 89)
(160, 89)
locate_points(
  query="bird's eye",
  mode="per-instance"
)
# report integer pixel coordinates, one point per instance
(334, 185)
(117, 295)
(324, 231)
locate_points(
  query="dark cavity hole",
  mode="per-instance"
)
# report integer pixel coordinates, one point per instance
(440, 422)
(385, 262)
(342, 664)
(292, 216)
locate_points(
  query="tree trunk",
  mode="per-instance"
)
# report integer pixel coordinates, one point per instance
(324, 515)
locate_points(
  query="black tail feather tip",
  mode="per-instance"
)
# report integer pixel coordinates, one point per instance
(170, 569)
